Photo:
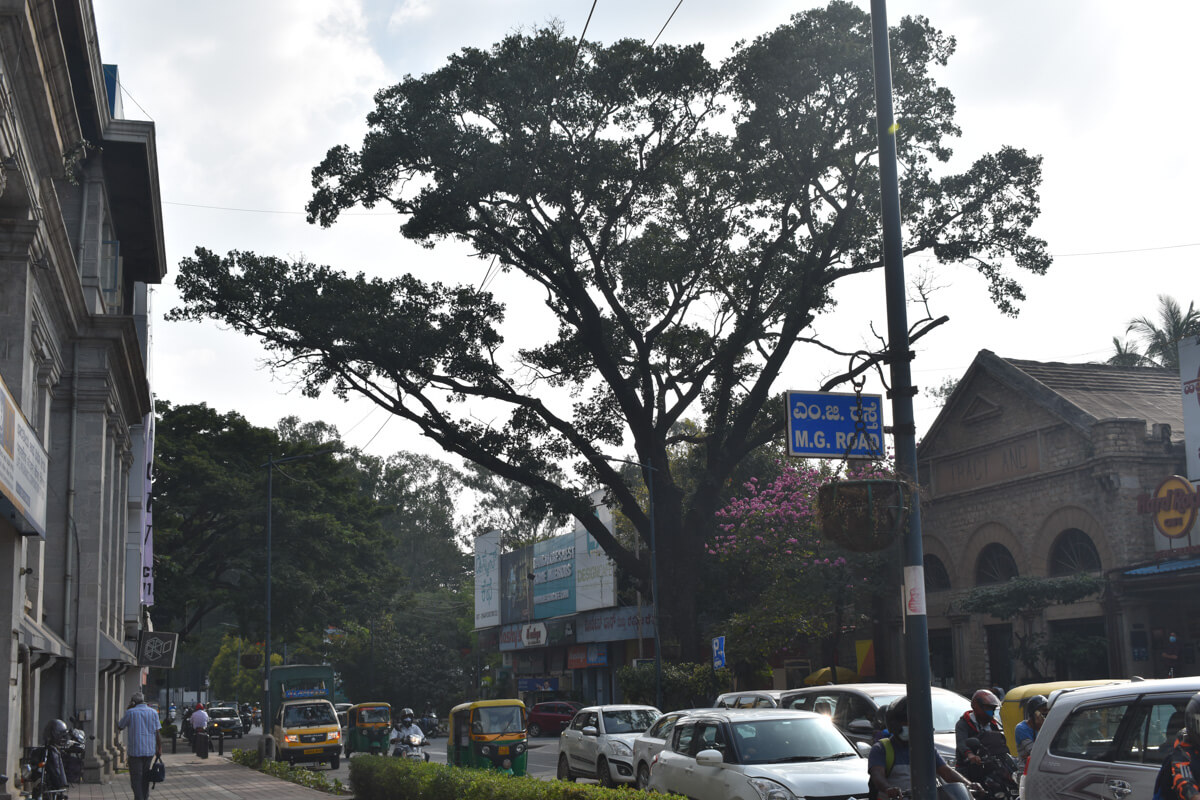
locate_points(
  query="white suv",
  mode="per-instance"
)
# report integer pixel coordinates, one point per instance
(599, 743)
(1107, 742)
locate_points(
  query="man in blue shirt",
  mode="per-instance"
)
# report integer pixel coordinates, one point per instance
(888, 765)
(145, 743)
(1026, 731)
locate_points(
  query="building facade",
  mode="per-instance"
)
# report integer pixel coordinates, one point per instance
(1049, 470)
(80, 241)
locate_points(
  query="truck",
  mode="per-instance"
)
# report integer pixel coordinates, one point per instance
(303, 720)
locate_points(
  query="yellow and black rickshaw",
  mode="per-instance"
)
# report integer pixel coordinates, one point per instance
(368, 727)
(488, 734)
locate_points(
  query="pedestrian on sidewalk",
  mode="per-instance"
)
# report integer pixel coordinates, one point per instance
(145, 743)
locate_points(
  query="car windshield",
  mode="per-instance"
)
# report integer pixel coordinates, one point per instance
(498, 719)
(376, 714)
(780, 741)
(222, 713)
(947, 709)
(300, 716)
(629, 720)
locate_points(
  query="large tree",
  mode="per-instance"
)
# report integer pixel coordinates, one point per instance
(683, 222)
(1159, 337)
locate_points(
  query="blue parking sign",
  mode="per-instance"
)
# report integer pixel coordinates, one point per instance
(823, 425)
(718, 652)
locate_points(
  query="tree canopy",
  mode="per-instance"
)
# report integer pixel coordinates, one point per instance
(683, 221)
(1158, 336)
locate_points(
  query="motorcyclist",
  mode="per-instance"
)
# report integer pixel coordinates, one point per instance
(1027, 730)
(405, 727)
(979, 719)
(1177, 779)
(54, 738)
(888, 763)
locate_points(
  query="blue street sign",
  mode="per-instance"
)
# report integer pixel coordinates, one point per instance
(718, 652)
(821, 425)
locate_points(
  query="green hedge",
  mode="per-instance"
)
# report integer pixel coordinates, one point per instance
(386, 778)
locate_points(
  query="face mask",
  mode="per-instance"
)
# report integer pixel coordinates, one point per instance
(1171, 639)
(903, 734)
(987, 713)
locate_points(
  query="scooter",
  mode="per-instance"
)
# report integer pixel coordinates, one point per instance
(411, 747)
(998, 772)
(200, 742)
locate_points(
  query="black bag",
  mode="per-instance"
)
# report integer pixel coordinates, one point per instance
(158, 771)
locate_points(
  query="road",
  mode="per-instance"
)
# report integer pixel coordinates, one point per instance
(543, 756)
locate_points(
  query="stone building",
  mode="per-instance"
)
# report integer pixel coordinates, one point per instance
(80, 239)
(1045, 470)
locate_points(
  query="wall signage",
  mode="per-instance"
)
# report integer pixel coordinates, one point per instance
(1173, 504)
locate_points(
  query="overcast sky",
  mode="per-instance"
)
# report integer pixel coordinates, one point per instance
(247, 97)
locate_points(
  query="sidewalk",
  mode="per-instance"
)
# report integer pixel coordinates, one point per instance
(191, 778)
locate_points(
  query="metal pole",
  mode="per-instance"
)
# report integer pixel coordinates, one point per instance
(920, 713)
(266, 721)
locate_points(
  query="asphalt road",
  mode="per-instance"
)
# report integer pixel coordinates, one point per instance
(543, 756)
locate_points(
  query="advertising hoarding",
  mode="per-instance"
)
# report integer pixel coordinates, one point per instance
(1189, 381)
(23, 465)
(487, 580)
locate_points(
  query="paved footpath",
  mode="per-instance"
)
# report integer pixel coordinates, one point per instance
(192, 778)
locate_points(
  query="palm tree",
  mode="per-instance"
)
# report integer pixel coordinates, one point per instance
(1126, 355)
(1162, 340)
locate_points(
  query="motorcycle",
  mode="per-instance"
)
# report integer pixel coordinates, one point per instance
(74, 752)
(43, 776)
(411, 747)
(200, 742)
(997, 773)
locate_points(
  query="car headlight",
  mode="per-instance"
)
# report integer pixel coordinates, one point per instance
(485, 750)
(292, 738)
(619, 748)
(770, 790)
(335, 735)
(520, 748)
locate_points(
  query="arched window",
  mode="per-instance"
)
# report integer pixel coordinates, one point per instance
(995, 565)
(1073, 553)
(937, 579)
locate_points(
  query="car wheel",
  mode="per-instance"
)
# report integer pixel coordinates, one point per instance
(534, 730)
(604, 774)
(564, 768)
(643, 776)
(335, 762)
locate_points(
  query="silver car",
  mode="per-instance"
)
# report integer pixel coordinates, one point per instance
(599, 743)
(1107, 742)
(734, 754)
(648, 745)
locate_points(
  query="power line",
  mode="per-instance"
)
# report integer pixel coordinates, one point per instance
(665, 24)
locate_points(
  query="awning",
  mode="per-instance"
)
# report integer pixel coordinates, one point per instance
(1163, 567)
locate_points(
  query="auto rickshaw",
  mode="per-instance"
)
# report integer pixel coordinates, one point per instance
(368, 727)
(488, 734)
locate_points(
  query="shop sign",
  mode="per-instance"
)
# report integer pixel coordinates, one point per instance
(1173, 504)
(23, 469)
(580, 656)
(487, 580)
(615, 625)
(1189, 382)
(533, 635)
(537, 684)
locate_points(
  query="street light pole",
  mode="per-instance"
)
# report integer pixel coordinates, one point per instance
(270, 465)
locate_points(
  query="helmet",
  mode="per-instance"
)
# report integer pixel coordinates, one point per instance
(1035, 704)
(199, 706)
(896, 716)
(985, 697)
(56, 731)
(1192, 716)
(406, 714)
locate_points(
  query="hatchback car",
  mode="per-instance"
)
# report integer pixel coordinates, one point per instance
(599, 743)
(857, 709)
(735, 754)
(648, 745)
(551, 717)
(224, 720)
(1105, 742)
(751, 698)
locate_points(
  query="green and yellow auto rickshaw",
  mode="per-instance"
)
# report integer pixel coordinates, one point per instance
(488, 734)
(368, 727)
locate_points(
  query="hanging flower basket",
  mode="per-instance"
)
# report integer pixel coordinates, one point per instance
(251, 660)
(864, 516)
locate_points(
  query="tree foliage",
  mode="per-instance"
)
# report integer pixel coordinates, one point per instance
(683, 221)
(1026, 594)
(1159, 336)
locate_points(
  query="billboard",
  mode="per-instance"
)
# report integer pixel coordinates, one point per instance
(487, 580)
(23, 466)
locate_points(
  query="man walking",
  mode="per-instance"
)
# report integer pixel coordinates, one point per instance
(145, 743)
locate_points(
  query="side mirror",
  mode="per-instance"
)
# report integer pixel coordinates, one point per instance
(863, 748)
(710, 758)
(861, 727)
(590, 730)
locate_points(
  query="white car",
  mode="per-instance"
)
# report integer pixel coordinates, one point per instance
(648, 745)
(759, 754)
(599, 743)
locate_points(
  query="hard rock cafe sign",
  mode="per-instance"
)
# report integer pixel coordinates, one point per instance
(1174, 506)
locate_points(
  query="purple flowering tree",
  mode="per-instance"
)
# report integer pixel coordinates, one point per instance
(788, 584)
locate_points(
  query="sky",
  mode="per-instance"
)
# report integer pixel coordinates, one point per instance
(247, 97)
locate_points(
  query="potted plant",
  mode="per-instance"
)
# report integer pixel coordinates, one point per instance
(864, 515)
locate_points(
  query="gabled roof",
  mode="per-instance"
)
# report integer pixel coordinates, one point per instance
(1081, 394)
